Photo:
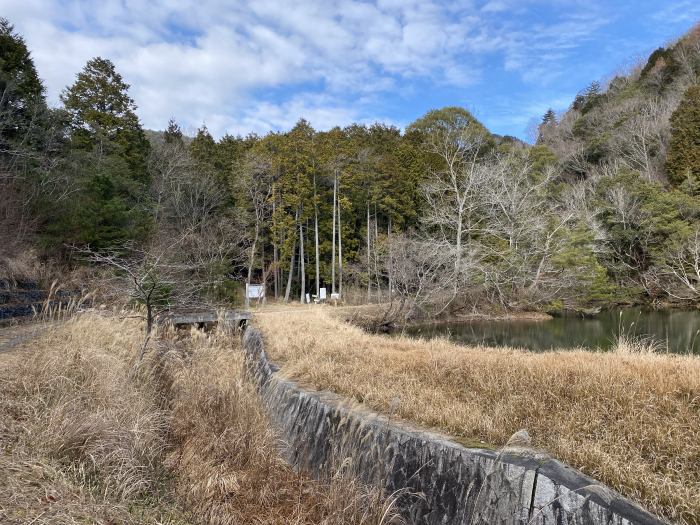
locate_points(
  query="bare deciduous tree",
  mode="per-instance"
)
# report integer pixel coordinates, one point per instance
(189, 207)
(255, 181)
(679, 273)
(422, 275)
(642, 137)
(452, 194)
(149, 278)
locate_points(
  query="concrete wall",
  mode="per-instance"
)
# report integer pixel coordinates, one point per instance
(441, 482)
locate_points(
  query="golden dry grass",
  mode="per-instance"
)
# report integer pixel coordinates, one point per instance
(226, 460)
(630, 419)
(79, 440)
(86, 439)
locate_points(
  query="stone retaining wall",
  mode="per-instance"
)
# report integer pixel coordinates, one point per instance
(24, 298)
(439, 481)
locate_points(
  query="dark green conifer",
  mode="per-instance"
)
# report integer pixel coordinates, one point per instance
(110, 152)
(22, 91)
(683, 160)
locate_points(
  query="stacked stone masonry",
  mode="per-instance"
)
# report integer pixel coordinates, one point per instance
(20, 299)
(437, 481)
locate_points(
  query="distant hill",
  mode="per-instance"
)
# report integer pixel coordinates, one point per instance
(156, 137)
(631, 122)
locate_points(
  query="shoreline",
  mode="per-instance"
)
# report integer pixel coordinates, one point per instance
(369, 317)
(524, 316)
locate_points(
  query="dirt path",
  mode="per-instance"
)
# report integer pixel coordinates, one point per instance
(13, 336)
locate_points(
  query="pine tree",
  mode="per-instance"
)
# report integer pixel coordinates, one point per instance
(588, 98)
(549, 117)
(172, 133)
(103, 115)
(22, 91)
(17, 65)
(206, 154)
(203, 147)
(548, 125)
(296, 163)
(25, 130)
(110, 155)
(683, 160)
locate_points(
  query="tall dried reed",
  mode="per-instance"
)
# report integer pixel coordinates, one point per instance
(226, 457)
(57, 307)
(84, 439)
(79, 439)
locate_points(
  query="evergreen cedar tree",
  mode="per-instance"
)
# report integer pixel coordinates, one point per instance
(683, 161)
(17, 68)
(22, 90)
(111, 149)
(102, 113)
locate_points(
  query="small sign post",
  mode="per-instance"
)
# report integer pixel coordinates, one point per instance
(254, 291)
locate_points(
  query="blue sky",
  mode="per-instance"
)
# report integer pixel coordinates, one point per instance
(261, 65)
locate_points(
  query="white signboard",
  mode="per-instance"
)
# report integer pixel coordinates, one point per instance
(322, 294)
(254, 291)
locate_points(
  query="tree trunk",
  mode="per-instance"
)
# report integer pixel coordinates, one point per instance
(264, 276)
(369, 278)
(390, 262)
(458, 258)
(318, 270)
(275, 264)
(252, 257)
(275, 256)
(302, 268)
(340, 253)
(149, 319)
(149, 329)
(291, 265)
(291, 273)
(376, 256)
(335, 189)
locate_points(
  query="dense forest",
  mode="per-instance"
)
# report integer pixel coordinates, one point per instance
(603, 208)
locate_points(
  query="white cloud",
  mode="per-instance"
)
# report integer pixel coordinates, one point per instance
(261, 65)
(233, 49)
(539, 50)
(495, 7)
(678, 12)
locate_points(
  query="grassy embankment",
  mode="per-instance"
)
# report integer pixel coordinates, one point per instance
(85, 440)
(629, 418)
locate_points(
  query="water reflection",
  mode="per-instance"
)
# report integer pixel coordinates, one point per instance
(673, 330)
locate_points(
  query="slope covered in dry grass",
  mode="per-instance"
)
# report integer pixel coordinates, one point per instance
(79, 441)
(84, 439)
(631, 420)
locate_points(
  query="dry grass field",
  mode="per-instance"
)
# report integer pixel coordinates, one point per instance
(84, 438)
(629, 418)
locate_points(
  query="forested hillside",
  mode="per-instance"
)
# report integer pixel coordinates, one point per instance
(605, 207)
(630, 154)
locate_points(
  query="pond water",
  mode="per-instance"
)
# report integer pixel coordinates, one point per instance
(672, 330)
